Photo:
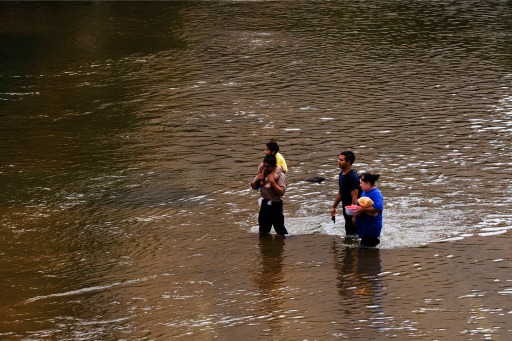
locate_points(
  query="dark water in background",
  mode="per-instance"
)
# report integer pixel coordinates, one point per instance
(129, 132)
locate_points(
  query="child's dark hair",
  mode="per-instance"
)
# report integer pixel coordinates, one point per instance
(369, 177)
(273, 146)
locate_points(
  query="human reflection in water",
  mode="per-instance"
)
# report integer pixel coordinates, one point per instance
(358, 277)
(270, 278)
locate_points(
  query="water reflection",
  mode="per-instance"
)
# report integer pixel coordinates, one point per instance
(358, 271)
(270, 279)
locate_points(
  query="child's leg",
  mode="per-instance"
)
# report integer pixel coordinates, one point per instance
(277, 173)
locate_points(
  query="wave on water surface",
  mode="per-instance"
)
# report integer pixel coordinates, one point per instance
(403, 229)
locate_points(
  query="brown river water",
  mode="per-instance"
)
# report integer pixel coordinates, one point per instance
(129, 132)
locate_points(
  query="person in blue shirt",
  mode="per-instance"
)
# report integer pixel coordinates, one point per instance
(368, 220)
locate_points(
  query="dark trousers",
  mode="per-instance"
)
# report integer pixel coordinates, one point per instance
(271, 216)
(370, 241)
(350, 228)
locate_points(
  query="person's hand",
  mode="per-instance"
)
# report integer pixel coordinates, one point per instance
(332, 211)
(260, 176)
(357, 210)
(271, 179)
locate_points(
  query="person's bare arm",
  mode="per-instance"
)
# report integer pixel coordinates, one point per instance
(354, 194)
(337, 201)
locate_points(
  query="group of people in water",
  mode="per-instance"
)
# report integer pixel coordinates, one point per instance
(361, 201)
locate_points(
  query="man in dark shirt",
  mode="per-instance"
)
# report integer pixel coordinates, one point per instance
(349, 189)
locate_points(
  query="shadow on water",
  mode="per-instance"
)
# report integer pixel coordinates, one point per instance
(16, 50)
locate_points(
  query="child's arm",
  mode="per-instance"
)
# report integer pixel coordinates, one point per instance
(258, 179)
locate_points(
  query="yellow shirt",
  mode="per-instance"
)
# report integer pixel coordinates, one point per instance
(281, 162)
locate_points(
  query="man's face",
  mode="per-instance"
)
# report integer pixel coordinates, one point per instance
(342, 163)
(267, 169)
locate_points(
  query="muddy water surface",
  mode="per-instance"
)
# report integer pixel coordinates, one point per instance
(129, 133)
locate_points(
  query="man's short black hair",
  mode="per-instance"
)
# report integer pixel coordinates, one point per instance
(270, 160)
(349, 156)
